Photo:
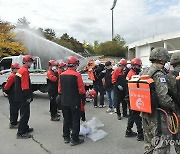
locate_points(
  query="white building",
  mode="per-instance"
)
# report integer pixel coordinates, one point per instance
(142, 48)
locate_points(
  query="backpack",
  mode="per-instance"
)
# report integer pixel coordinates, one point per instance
(142, 94)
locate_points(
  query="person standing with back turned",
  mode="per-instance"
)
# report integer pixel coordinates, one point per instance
(72, 93)
(23, 95)
(9, 90)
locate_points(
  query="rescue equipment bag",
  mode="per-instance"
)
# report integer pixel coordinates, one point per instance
(142, 93)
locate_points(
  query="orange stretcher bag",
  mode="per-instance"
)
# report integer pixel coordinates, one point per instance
(140, 93)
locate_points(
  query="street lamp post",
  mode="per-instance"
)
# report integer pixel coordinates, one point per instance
(112, 25)
(114, 4)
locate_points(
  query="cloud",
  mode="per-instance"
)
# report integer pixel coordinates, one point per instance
(90, 20)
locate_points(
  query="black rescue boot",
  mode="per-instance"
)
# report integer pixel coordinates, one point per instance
(23, 136)
(140, 137)
(130, 133)
(73, 142)
(119, 117)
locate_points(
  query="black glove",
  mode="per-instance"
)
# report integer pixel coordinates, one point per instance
(29, 100)
(6, 91)
(58, 101)
(83, 98)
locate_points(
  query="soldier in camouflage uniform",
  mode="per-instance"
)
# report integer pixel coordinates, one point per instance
(171, 78)
(155, 129)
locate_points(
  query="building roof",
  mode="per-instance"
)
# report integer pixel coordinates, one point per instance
(172, 38)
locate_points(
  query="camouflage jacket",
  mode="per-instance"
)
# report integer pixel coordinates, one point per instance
(161, 86)
(171, 80)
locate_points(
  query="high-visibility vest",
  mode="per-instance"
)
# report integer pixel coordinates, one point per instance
(140, 89)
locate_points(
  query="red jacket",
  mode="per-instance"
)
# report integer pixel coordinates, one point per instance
(22, 87)
(59, 73)
(52, 82)
(80, 82)
(51, 76)
(116, 73)
(130, 74)
(10, 81)
(23, 73)
(71, 88)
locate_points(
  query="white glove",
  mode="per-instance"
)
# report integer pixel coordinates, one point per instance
(120, 87)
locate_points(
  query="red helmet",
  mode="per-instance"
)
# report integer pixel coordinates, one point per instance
(122, 62)
(91, 94)
(28, 58)
(136, 61)
(61, 64)
(71, 61)
(53, 63)
(15, 66)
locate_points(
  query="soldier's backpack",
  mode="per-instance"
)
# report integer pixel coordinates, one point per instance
(142, 94)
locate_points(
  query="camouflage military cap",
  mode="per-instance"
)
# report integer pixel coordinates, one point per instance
(175, 58)
(159, 54)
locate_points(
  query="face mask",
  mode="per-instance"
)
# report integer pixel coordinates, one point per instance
(54, 68)
(137, 70)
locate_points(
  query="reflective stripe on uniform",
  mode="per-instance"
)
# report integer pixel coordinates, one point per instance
(19, 75)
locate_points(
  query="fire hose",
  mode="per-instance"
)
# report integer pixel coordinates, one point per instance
(174, 121)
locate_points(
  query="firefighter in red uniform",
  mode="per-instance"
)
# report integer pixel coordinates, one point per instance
(134, 116)
(23, 96)
(52, 83)
(119, 82)
(72, 92)
(9, 89)
(61, 68)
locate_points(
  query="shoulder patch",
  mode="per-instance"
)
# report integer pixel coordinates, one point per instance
(162, 80)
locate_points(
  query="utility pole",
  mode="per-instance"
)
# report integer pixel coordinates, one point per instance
(112, 8)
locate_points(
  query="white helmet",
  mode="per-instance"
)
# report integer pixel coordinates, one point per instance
(97, 62)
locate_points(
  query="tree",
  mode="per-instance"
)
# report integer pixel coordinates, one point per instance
(70, 43)
(49, 34)
(23, 22)
(7, 45)
(116, 47)
(88, 47)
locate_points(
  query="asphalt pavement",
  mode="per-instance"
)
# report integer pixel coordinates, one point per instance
(47, 135)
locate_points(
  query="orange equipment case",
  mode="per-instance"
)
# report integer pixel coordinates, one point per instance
(140, 94)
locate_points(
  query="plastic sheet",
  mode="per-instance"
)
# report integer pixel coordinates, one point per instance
(94, 124)
(84, 130)
(97, 135)
(90, 129)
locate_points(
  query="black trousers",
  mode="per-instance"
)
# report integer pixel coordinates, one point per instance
(83, 116)
(24, 117)
(14, 109)
(135, 117)
(124, 107)
(53, 104)
(71, 121)
(100, 89)
(119, 96)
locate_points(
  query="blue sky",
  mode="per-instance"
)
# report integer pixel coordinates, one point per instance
(90, 20)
